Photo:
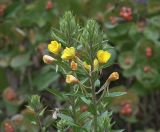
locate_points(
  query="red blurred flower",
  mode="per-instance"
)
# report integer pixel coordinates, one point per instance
(9, 94)
(126, 109)
(49, 5)
(8, 127)
(2, 9)
(149, 52)
(126, 13)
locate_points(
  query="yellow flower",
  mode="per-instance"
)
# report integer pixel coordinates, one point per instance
(48, 59)
(88, 67)
(73, 65)
(68, 53)
(95, 63)
(54, 47)
(103, 56)
(113, 77)
(71, 79)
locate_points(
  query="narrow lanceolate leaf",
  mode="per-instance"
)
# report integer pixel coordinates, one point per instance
(85, 100)
(56, 93)
(115, 94)
(68, 119)
(84, 115)
(77, 94)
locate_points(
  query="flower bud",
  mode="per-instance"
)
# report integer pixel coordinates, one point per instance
(113, 77)
(48, 59)
(73, 66)
(95, 63)
(71, 79)
(83, 108)
(87, 66)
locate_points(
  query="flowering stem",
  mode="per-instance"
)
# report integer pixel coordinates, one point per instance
(73, 104)
(93, 87)
(39, 122)
(94, 102)
(74, 111)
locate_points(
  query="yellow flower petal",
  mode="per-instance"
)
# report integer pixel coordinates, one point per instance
(54, 47)
(68, 53)
(103, 56)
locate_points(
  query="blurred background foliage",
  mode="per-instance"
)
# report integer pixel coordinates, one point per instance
(131, 26)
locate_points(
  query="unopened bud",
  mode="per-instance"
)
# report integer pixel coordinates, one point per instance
(73, 66)
(71, 79)
(84, 108)
(114, 76)
(48, 59)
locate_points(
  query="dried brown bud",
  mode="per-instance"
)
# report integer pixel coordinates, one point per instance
(113, 77)
(70, 79)
(83, 108)
(73, 66)
(48, 59)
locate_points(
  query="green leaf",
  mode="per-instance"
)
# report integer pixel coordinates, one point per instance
(20, 61)
(84, 116)
(152, 33)
(115, 94)
(13, 9)
(69, 121)
(65, 117)
(56, 37)
(75, 94)
(88, 125)
(155, 21)
(85, 100)
(43, 80)
(56, 93)
(42, 112)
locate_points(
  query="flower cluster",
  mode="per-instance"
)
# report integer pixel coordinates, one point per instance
(69, 54)
(102, 58)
